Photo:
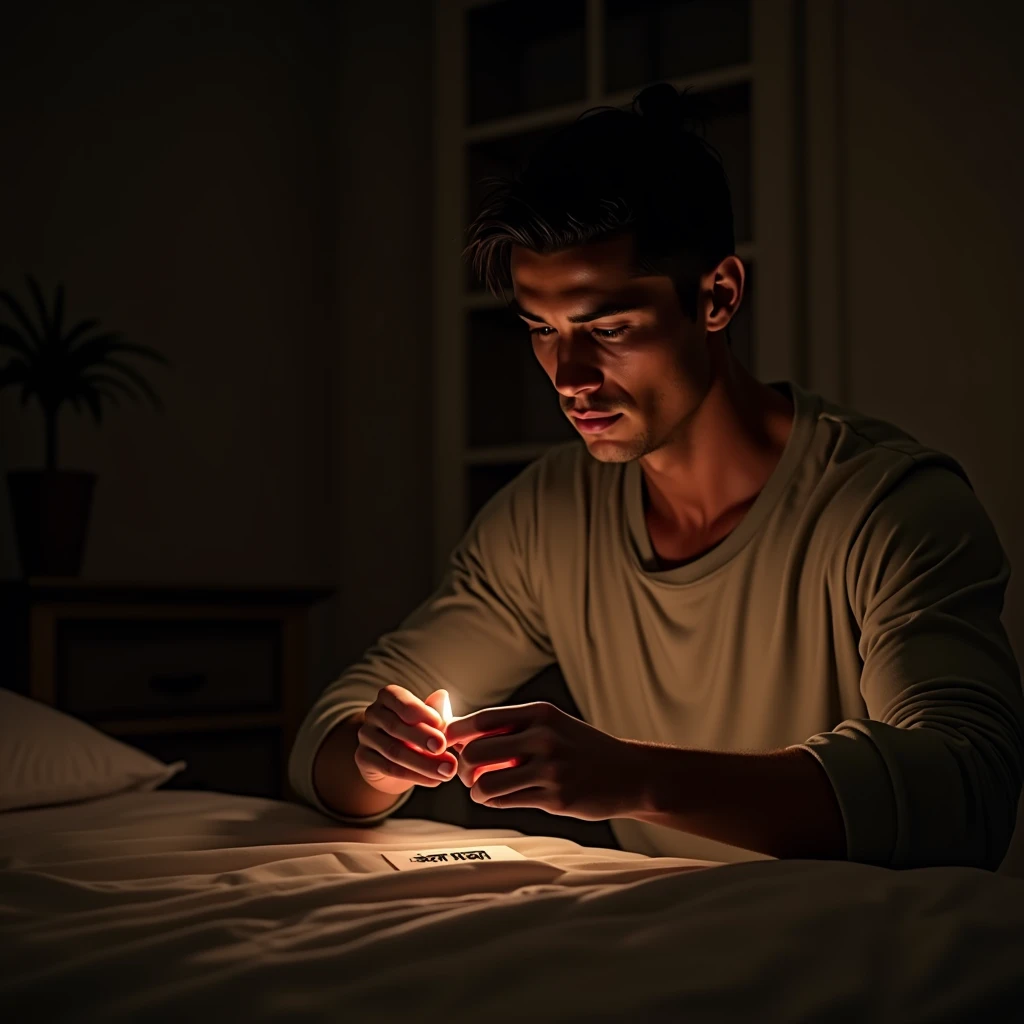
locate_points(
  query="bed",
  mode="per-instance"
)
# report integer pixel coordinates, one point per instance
(175, 905)
(178, 905)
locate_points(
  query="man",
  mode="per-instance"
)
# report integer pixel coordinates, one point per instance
(780, 619)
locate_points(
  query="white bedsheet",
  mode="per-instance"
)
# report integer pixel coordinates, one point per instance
(183, 906)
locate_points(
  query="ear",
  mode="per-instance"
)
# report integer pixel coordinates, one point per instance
(725, 286)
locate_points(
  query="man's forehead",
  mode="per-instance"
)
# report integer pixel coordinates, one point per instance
(580, 279)
(580, 305)
(582, 262)
(583, 295)
(583, 290)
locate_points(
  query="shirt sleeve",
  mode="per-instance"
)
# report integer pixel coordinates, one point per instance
(934, 775)
(480, 635)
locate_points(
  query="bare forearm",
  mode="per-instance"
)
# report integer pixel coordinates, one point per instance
(337, 779)
(781, 803)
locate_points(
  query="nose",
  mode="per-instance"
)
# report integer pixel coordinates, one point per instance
(576, 372)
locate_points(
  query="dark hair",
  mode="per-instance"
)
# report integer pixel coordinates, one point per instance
(644, 169)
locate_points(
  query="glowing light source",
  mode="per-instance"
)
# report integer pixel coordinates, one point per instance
(446, 710)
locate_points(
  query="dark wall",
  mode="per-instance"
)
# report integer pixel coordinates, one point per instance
(934, 208)
(385, 322)
(169, 163)
(247, 187)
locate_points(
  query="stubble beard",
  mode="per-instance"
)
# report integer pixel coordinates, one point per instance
(622, 451)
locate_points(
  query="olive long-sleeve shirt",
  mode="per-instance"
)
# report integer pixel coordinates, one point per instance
(854, 611)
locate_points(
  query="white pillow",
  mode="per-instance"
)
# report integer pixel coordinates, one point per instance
(47, 757)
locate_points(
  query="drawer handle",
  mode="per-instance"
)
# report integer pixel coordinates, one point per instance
(178, 685)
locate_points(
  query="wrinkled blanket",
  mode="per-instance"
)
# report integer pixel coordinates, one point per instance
(178, 906)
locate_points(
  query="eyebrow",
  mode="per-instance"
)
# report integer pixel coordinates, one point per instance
(608, 309)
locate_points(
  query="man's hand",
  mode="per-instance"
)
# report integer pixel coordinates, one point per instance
(402, 742)
(534, 755)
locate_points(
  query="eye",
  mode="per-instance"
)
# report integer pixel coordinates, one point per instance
(602, 334)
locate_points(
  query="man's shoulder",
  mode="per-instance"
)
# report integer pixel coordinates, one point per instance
(566, 473)
(551, 490)
(876, 446)
(870, 467)
(554, 500)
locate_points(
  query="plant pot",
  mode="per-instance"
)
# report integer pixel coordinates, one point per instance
(51, 519)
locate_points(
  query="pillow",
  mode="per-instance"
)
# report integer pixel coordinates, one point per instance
(47, 757)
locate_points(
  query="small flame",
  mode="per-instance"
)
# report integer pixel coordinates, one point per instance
(446, 710)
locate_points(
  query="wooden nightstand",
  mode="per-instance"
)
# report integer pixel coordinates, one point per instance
(215, 676)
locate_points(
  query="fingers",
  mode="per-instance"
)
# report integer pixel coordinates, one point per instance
(469, 776)
(408, 707)
(439, 701)
(493, 785)
(402, 739)
(402, 714)
(496, 720)
(491, 749)
(533, 797)
(488, 754)
(420, 735)
(437, 767)
(374, 765)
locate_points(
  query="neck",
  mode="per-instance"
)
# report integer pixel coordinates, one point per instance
(720, 458)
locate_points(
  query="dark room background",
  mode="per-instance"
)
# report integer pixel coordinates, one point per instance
(247, 187)
(253, 188)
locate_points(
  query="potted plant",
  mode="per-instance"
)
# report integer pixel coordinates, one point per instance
(58, 364)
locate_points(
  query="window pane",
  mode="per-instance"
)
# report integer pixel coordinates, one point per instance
(728, 130)
(648, 40)
(524, 55)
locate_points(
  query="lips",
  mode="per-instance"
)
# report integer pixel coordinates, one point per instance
(594, 422)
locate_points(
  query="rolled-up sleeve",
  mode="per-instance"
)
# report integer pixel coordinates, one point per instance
(933, 776)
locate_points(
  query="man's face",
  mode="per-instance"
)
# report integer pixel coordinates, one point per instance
(629, 366)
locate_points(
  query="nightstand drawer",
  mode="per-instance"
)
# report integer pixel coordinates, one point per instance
(236, 761)
(109, 669)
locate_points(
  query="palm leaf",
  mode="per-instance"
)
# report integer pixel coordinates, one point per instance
(137, 379)
(92, 399)
(97, 348)
(37, 294)
(15, 372)
(10, 338)
(19, 314)
(57, 362)
(58, 315)
(111, 396)
(82, 327)
(113, 382)
(144, 350)
(94, 350)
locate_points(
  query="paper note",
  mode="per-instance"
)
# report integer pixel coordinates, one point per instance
(411, 860)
